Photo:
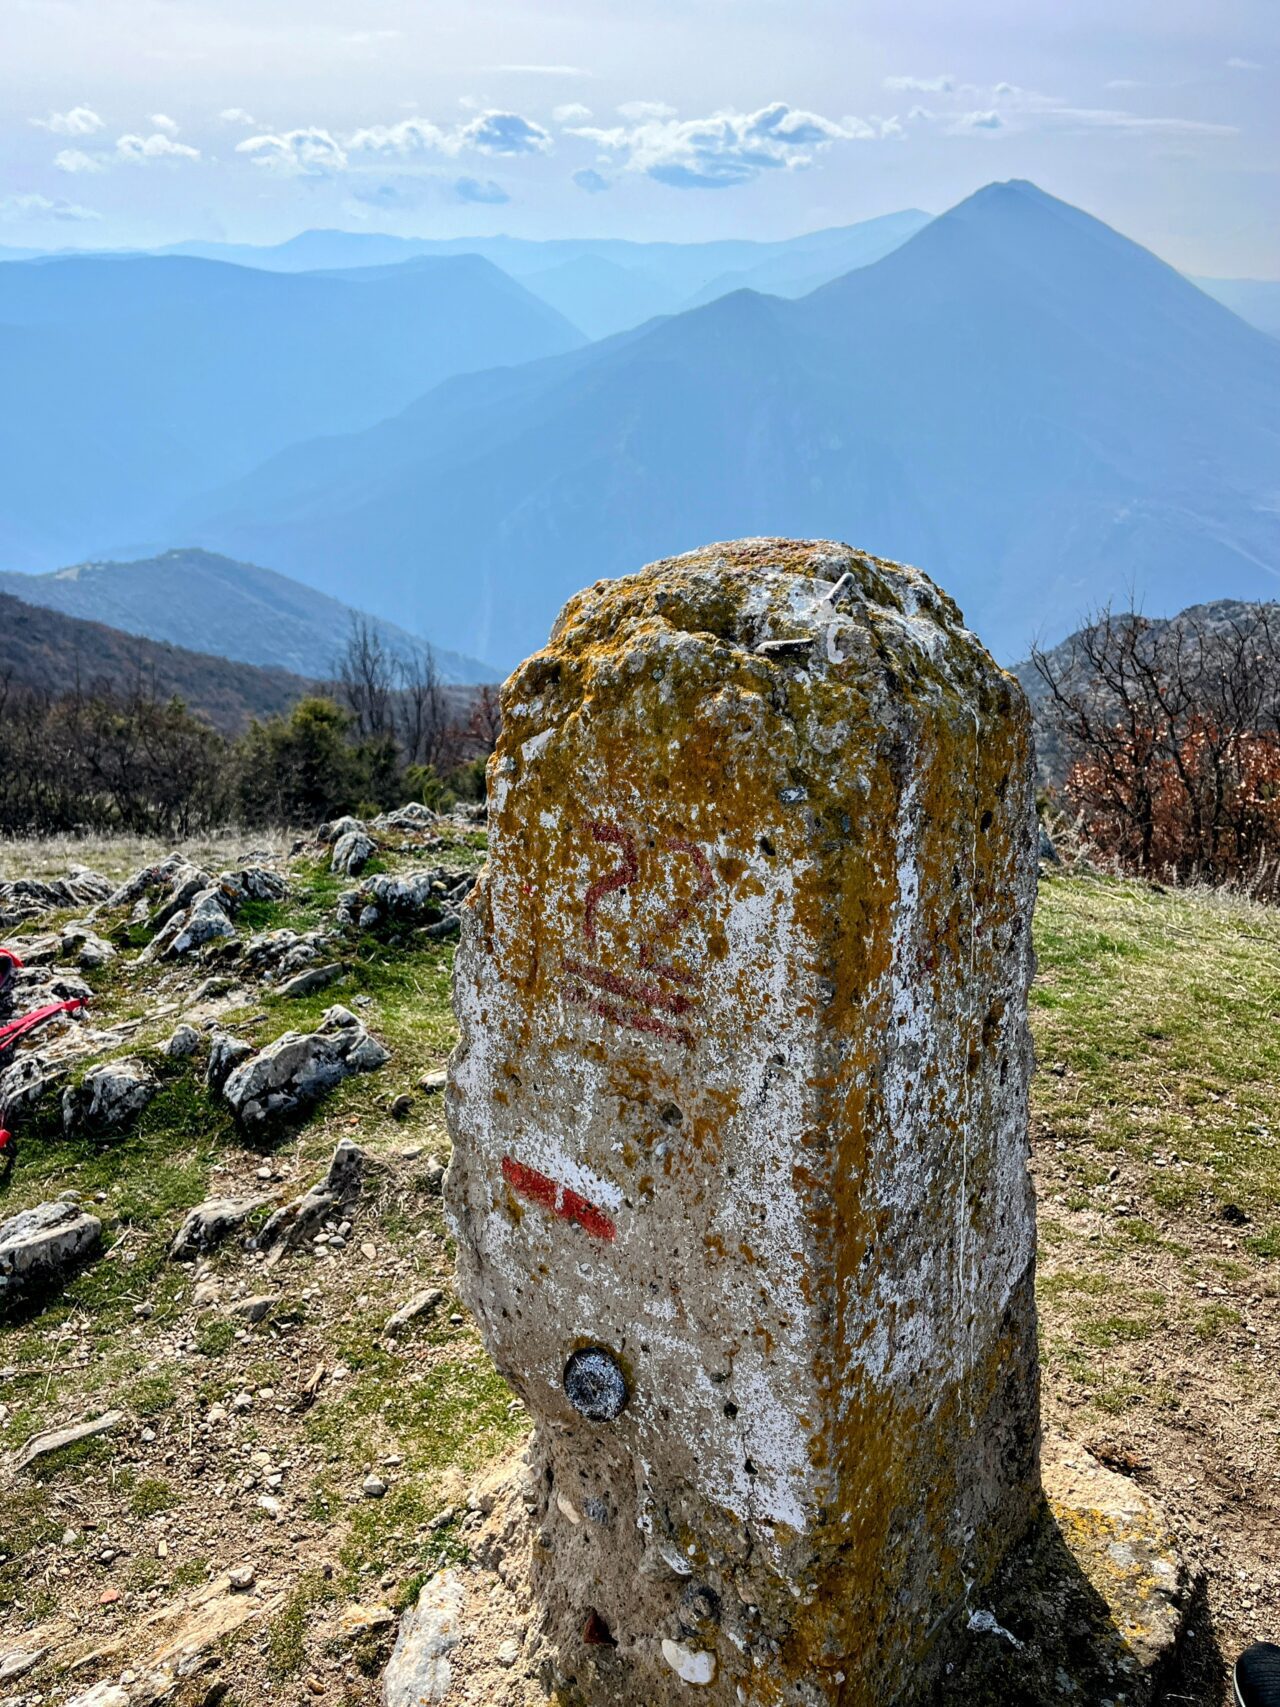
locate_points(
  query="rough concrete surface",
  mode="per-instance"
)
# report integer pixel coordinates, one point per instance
(740, 1126)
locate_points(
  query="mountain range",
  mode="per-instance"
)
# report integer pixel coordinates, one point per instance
(206, 603)
(1020, 400)
(133, 383)
(52, 653)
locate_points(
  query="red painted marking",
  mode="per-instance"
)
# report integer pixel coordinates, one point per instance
(644, 995)
(634, 1019)
(618, 878)
(565, 1204)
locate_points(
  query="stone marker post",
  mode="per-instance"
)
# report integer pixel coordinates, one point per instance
(740, 1125)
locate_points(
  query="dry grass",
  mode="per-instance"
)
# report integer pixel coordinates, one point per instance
(117, 856)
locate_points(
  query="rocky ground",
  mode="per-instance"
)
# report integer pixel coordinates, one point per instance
(290, 1419)
(291, 1430)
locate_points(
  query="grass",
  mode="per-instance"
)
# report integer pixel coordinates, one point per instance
(1164, 1010)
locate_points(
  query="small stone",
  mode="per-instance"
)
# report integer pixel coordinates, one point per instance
(272, 1506)
(401, 1107)
(109, 1597)
(253, 1309)
(508, 1652)
(434, 1082)
(691, 1665)
(147, 1435)
(242, 1402)
(241, 1577)
(373, 1487)
(368, 1251)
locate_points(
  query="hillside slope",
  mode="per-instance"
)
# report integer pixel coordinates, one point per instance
(53, 653)
(131, 383)
(199, 600)
(1032, 408)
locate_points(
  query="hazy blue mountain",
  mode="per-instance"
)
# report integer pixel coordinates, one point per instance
(1020, 400)
(605, 285)
(210, 604)
(1254, 300)
(130, 383)
(807, 263)
(603, 296)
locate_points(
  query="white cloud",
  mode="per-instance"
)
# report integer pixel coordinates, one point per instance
(410, 136)
(489, 132)
(573, 112)
(504, 133)
(14, 209)
(646, 110)
(137, 150)
(162, 121)
(921, 85)
(1234, 64)
(307, 153)
(79, 121)
(588, 179)
(727, 147)
(989, 120)
(236, 115)
(76, 160)
(480, 190)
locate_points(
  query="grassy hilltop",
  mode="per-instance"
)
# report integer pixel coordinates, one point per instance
(1157, 1162)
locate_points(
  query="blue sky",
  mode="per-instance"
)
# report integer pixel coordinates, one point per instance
(148, 121)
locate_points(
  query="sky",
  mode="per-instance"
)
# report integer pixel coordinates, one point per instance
(146, 122)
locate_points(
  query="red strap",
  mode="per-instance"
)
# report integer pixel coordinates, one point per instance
(19, 1028)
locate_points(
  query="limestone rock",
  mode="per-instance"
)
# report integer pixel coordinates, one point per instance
(412, 816)
(226, 1053)
(104, 1694)
(273, 955)
(209, 1223)
(345, 826)
(54, 1439)
(421, 1304)
(205, 920)
(419, 1672)
(27, 1083)
(85, 945)
(1089, 1608)
(308, 982)
(739, 1115)
(417, 898)
(108, 1098)
(27, 898)
(182, 1043)
(352, 852)
(297, 1069)
(297, 1221)
(41, 1245)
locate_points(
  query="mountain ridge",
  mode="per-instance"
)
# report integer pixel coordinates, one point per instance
(237, 611)
(46, 651)
(1018, 398)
